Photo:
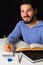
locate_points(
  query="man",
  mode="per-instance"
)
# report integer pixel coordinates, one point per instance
(29, 27)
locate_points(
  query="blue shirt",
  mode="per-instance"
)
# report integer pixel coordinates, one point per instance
(30, 35)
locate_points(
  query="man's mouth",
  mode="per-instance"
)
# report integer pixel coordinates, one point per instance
(26, 16)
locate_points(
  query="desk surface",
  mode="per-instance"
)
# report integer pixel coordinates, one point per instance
(24, 61)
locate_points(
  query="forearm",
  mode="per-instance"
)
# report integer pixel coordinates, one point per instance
(15, 34)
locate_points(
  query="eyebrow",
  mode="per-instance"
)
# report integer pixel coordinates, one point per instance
(27, 9)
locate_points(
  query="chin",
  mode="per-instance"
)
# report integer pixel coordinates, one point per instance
(26, 20)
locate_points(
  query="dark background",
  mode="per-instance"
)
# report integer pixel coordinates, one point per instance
(10, 15)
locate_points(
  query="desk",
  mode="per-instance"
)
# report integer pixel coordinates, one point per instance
(24, 61)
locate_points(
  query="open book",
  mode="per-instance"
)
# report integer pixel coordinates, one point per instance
(23, 46)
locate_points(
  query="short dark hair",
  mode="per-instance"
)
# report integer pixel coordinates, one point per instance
(31, 2)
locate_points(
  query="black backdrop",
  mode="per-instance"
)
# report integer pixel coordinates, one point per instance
(10, 15)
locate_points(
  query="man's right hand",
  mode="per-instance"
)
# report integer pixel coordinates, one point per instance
(8, 48)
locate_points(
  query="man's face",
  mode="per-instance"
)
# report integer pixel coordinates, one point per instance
(27, 13)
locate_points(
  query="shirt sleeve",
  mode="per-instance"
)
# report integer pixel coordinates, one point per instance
(15, 34)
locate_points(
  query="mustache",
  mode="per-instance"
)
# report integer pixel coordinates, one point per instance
(26, 16)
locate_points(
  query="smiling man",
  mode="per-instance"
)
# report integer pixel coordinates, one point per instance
(29, 27)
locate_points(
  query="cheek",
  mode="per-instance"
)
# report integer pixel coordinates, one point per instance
(31, 13)
(22, 15)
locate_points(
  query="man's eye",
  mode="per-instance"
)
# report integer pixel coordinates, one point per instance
(29, 10)
(22, 11)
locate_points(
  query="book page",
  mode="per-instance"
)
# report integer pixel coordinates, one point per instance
(36, 46)
(22, 46)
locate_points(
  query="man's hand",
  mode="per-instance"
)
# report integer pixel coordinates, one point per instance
(8, 48)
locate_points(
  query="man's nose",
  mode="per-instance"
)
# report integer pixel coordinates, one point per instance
(26, 13)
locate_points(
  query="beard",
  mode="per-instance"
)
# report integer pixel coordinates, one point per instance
(28, 22)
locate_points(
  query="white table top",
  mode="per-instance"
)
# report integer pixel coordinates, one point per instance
(4, 60)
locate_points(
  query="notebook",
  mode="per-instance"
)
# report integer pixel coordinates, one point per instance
(33, 56)
(5, 54)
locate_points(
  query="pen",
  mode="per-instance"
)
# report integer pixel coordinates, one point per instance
(9, 46)
(19, 57)
(13, 51)
(7, 41)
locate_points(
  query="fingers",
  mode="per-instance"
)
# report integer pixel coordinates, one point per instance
(7, 48)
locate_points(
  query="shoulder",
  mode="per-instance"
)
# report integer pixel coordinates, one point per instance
(41, 22)
(21, 23)
(41, 26)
